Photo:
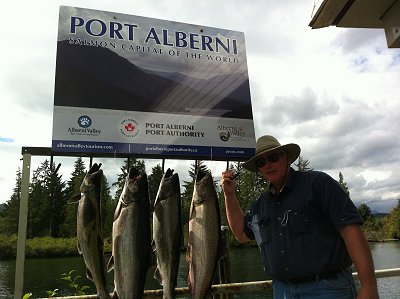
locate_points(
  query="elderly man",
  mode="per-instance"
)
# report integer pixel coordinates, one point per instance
(306, 226)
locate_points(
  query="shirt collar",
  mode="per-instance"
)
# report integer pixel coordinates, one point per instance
(288, 185)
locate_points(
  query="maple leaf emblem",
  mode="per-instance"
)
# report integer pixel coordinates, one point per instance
(129, 127)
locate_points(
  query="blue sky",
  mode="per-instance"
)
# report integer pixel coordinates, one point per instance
(334, 91)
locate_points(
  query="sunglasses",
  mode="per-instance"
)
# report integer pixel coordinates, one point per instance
(272, 158)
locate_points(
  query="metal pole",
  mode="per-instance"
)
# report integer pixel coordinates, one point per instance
(23, 219)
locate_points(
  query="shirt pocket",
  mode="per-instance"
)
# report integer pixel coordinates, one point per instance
(300, 222)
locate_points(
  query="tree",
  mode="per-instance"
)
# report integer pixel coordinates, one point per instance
(302, 164)
(392, 222)
(46, 202)
(365, 211)
(72, 192)
(343, 184)
(38, 203)
(10, 210)
(108, 205)
(57, 200)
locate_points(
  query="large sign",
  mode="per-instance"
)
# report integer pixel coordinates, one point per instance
(135, 85)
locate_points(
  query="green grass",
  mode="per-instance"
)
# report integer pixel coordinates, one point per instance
(42, 247)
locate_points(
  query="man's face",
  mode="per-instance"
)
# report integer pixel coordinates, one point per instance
(273, 167)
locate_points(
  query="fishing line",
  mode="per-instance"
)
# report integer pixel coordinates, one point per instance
(212, 165)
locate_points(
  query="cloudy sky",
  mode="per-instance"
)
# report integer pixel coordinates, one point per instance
(334, 91)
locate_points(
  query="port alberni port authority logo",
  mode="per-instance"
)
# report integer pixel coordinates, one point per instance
(129, 128)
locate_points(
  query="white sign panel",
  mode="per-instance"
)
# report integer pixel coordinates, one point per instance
(136, 85)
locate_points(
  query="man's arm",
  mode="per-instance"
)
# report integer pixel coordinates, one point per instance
(360, 254)
(234, 212)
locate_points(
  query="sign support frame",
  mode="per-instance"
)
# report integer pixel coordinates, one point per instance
(27, 153)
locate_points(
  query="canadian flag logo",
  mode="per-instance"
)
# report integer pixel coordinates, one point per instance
(129, 128)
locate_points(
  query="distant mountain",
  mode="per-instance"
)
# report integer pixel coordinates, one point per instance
(379, 215)
(97, 77)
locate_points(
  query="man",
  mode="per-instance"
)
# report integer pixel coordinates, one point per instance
(306, 226)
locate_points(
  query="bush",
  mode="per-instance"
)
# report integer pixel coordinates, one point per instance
(51, 247)
(8, 246)
(43, 247)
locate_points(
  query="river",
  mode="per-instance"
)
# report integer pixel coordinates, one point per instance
(42, 275)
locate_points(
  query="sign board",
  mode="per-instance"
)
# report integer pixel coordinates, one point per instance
(148, 87)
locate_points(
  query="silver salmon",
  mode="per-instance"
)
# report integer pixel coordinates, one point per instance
(205, 240)
(167, 232)
(89, 229)
(131, 238)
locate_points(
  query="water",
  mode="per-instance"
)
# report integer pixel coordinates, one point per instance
(386, 256)
(42, 275)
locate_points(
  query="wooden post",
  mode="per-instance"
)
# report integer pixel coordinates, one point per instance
(22, 222)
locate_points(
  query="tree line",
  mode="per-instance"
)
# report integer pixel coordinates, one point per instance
(52, 203)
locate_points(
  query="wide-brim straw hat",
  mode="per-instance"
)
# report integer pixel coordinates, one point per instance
(268, 144)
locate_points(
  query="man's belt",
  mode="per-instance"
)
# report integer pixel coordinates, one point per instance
(313, 278)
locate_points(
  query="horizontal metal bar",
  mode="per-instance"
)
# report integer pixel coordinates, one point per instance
(47, 151)
(234, 288)
(387, 273)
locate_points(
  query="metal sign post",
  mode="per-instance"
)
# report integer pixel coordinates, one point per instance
(22, 222)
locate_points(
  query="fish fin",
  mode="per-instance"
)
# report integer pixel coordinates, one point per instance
(114, 295)
(157, 275)
(78, 247)
(156, 203)
(74, 199)
(160, 197)
(152, 206)
(89, 275)
(191, 211)
(117, 210)
(153, 259)
(189, 283)
(110, 265)
(189, 250)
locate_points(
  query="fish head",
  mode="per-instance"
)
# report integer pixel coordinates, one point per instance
(135, 186)
(92, 178)
(204, 187)
(168, 188)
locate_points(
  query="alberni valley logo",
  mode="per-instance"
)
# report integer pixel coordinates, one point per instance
(227, 133)
(84, 122)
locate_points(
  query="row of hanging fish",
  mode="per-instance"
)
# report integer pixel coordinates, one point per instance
(135, 247)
